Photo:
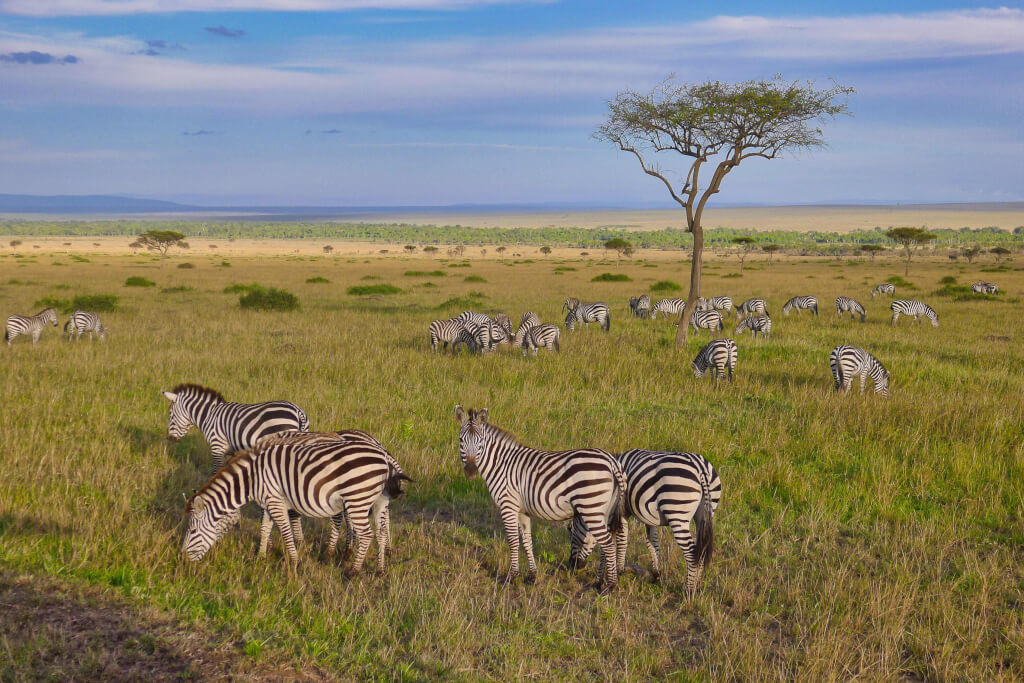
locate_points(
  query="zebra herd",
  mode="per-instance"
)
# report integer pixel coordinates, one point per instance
(982, 287)
(78, 324)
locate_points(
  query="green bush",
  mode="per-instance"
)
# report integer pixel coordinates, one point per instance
(666, 286)
(79, 259)
(612, 277)
(370, 277)
(136, 281)
(424, 273)
(186, 265)
(223, 264)
(732, 276)
(427, 285)
(362, 290)
(63, 305)
(176, 290)
(562, 269)
(948, 280)
(900, 282)
(241, 289)
(318, 280)
(473, 278)
(269, 299)
(459, 265)
(97, 303)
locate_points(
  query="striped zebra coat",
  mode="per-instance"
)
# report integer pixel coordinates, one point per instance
(716, 303)
(884, 288)
(707, 320)
(81, 322)
(752, 306)
(528, 320)
(848, 362)
(668, 307)
(845, 304)
(584, 314)
(669, 489)
(982, 287)
(29, 324)
(452, 331)
(916, 309)
(545, 335)
(488, 335)
(757, 324)
(801, 303)
(528, 484)
(471, 319)
(313, 475)
(228, 427)
(640, 306)
(718, 356)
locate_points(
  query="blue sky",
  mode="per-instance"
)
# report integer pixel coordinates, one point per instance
(419, 102)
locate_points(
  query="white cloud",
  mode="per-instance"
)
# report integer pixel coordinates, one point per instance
(53, 8)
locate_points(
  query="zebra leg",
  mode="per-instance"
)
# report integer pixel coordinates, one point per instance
(278, 511)
(621, 541)
(380, 533)
(510, 520)
(582, 544)
(527, 538)
(652, 548)
(295, 519)
(359, 522)
(266, 528)
(895, 316)
(684, 539)
(863, 377)
(596, 526)
(332, 542)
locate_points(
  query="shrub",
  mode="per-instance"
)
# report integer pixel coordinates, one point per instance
(370, 277)
(731, 275)
(241, 289)
(318, 280)
(962, 293)
(424, 273)
(948, 280)
(79, 259)
(136, 281)
(666, 286)
(186, 265)
(561, 269)
(900, 282)
(223, 264)
(362, 290)
(611, 277)
(459, 265)
(175, 290)
(427, 285)
(97, 303)
(269, 299)
(63, 305)
(473, 278)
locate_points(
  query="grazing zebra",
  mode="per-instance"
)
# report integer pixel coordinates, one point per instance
(503, 321)
(528, 484)
(450, 331)
(915, 308)
(757, 324)
(487, 336)
(528, 320)
(801, 303)
(718, 356)
(469, 318)
(982, 287)
(845, 304)
(668, 307)
(848, 361)
(668, 489)
(884, 288)
(29, 324)
(84, 321)
(716, 303)
(313, 475)
(570, 303)
(589, 313)
(545, 335)
(640, 306)
(706, 320)
(228, 426)
(751, 306)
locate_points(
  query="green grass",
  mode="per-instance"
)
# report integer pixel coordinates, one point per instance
(611, 277)
(666, 286)
(858, 538)
(424, 273)
(187, 265)
(317, 280)
(137, 281)
(473, 278)
(363, 290)
(269, 299)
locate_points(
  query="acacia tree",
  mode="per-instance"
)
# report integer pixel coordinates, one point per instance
(328, 249)
(619, 246)
(1000, 252)
(746, 246)
(872, 249)
(160, 241)
(970, 253)
(907, 238)
(715, 123)
(770, 249)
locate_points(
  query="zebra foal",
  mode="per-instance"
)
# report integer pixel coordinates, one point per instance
(845, 304)
(81, 322)
(18, 325)
(757, 324)
(884, 288)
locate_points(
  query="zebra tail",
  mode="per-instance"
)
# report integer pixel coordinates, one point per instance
(608, 322)
(617, 517)
(7, 335)
(559, 350)
(66, 326)
(397, 483)
(704, 527)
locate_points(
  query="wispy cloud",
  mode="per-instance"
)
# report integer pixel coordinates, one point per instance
(225, 31)
(47, 8)
(35, 57)
(332, 131)
(199, 133)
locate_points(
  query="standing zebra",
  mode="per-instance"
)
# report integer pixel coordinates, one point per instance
(84, 321)
(640, 306)
(452, 331)
(488, 335)
(751, 306)
(718, 356)
(848, 361)
(570, 303)
(757, 324)
(668, 307)
(982, 287)
(884, 288)
(29, 324)
(802, 303)
(503, 321)
(716, 303)
(228, 426)
(845, 304)
(668, 489)
(589, 313)
(545, 334)
(915, 308)
(707, 320)
(528, 484)
(528, 320)
(317, 477)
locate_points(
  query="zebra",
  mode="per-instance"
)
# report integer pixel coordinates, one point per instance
(848, 361)
(526, 484)
(228, 426)
(802, 303)
(884, 288)
(982, 287)
(84, 321)
(470, 318)
(30, 324)
(313, 475)
(845, 304)
(570, 303)
(447, 332)
(545, 334)
(528, 320)
(757, 324)
(915, 308)
(488, 336)
(718, 356)
(706, 320)
(717, 303)
(668, 307)
(670, 489)
(751, 306)
(504, 323)
(589, 313)
(640, 306)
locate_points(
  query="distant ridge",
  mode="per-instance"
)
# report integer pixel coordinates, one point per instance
(94, 203)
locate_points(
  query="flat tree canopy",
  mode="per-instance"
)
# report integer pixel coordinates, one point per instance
(715, 123)
(907, 238)
(160, 241)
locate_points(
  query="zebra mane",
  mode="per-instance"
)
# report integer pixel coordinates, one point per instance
(236, 459)
(199, 389)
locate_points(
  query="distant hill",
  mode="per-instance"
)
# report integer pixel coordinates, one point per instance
(94, 203)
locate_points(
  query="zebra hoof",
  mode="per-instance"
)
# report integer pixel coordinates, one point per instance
(655, 578)
(353, 573)
(530, 579)
(510, 579)
(607, 589)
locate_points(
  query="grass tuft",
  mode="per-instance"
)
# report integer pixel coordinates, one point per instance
(363, 290)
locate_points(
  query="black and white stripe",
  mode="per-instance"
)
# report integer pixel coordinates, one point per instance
(544, 335)
(802, 303)
(528, 320)
(668, 307)
(570, 303)
(29, 324)
(982, 287)
(640, 306)
(915, 308)
(471, 318)
(228, 427)
(884, 288)
(715, 303)
(845, 304)
(320, 475)
(718, 356)
(445, 332)
(505, 323)
(752, 306)
(849, 361)
(488, 335)
(81, 322)
(589, 313)
(528, 484)
(706, 320)
(669, 489)
(757, 324)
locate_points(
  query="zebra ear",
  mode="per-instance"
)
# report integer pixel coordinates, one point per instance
(460, 415)
(481, 415)
(170, 396)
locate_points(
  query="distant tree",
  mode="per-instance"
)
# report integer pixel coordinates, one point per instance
(970, 253)
(584, 253)
(328, 249)
(872, 250)
(459, 250)
(430, 249)
(907, 238)
(160, 241)
(483, 253)
(15, 244)
(545, 250)
(770, 249)
(746, 246)
(619, 246)
(1000, 252)
(727, 122)
(409, 248)
(500, 250)
(135, 246)
(212, 246)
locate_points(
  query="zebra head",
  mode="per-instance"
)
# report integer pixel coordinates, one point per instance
(882, 385)
(570, 320)
(206, 524)
(471, 438)
(697, 372)
(48, 315)
(180, 420)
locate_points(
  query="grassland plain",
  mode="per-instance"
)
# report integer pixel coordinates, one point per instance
(857, 538)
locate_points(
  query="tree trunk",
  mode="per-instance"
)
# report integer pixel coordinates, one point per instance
(695, 270)
(906, 271)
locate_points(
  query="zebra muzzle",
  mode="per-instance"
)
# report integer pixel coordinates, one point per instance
(470, 466)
